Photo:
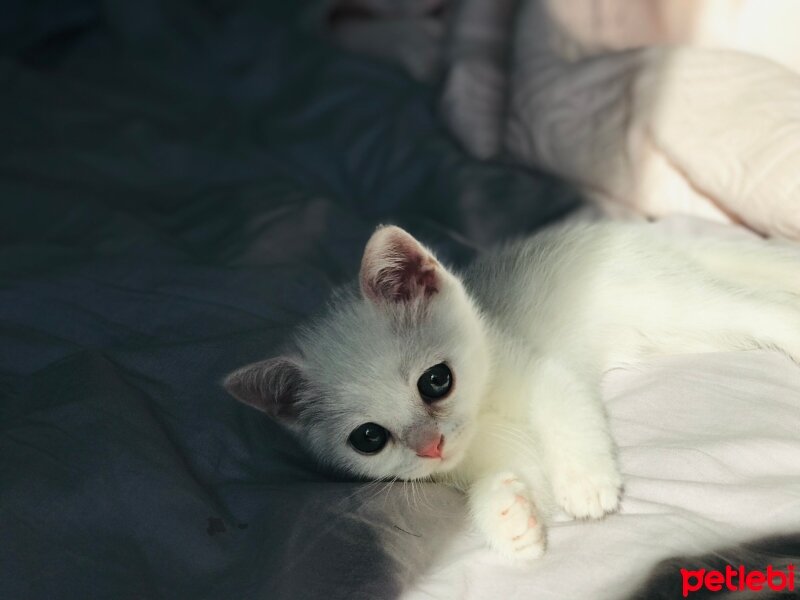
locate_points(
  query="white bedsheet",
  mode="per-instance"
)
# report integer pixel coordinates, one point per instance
(710, 451)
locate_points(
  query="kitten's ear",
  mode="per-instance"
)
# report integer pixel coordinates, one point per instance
(270, 386)
(397, 268)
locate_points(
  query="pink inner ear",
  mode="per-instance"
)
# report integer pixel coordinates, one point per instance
(397, 268)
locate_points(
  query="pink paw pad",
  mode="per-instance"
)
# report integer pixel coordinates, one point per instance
(514, 527)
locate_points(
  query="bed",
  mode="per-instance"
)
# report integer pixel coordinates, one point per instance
(181, 183)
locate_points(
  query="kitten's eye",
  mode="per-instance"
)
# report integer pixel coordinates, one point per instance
(369, 438)
(435, 383)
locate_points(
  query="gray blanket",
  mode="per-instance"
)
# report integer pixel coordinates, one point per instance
(180, 183)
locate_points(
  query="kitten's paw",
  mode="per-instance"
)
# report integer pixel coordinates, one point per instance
(588, 493)
(507, 516)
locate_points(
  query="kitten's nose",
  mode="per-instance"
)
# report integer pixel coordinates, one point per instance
(432, 449)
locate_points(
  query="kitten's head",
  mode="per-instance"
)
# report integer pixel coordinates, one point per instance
(388, 383)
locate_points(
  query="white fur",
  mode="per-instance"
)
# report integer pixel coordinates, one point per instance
(528, 333)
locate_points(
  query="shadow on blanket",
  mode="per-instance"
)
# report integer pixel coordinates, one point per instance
(181, 182)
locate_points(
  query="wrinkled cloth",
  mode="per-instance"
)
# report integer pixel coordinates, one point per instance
(180, 184)
(653, 107)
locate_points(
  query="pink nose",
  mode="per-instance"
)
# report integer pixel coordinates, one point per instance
(433, 449)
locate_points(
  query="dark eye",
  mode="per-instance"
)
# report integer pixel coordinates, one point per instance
(369, 438)
(435, 383)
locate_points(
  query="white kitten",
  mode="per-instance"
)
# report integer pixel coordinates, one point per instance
(491, 382)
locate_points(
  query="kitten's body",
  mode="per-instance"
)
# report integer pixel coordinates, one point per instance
(528, 336)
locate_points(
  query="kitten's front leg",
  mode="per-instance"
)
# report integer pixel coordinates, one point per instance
(503, 510)
(569, 420)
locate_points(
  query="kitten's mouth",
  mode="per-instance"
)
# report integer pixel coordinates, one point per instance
(447, 456)
(458, 440)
